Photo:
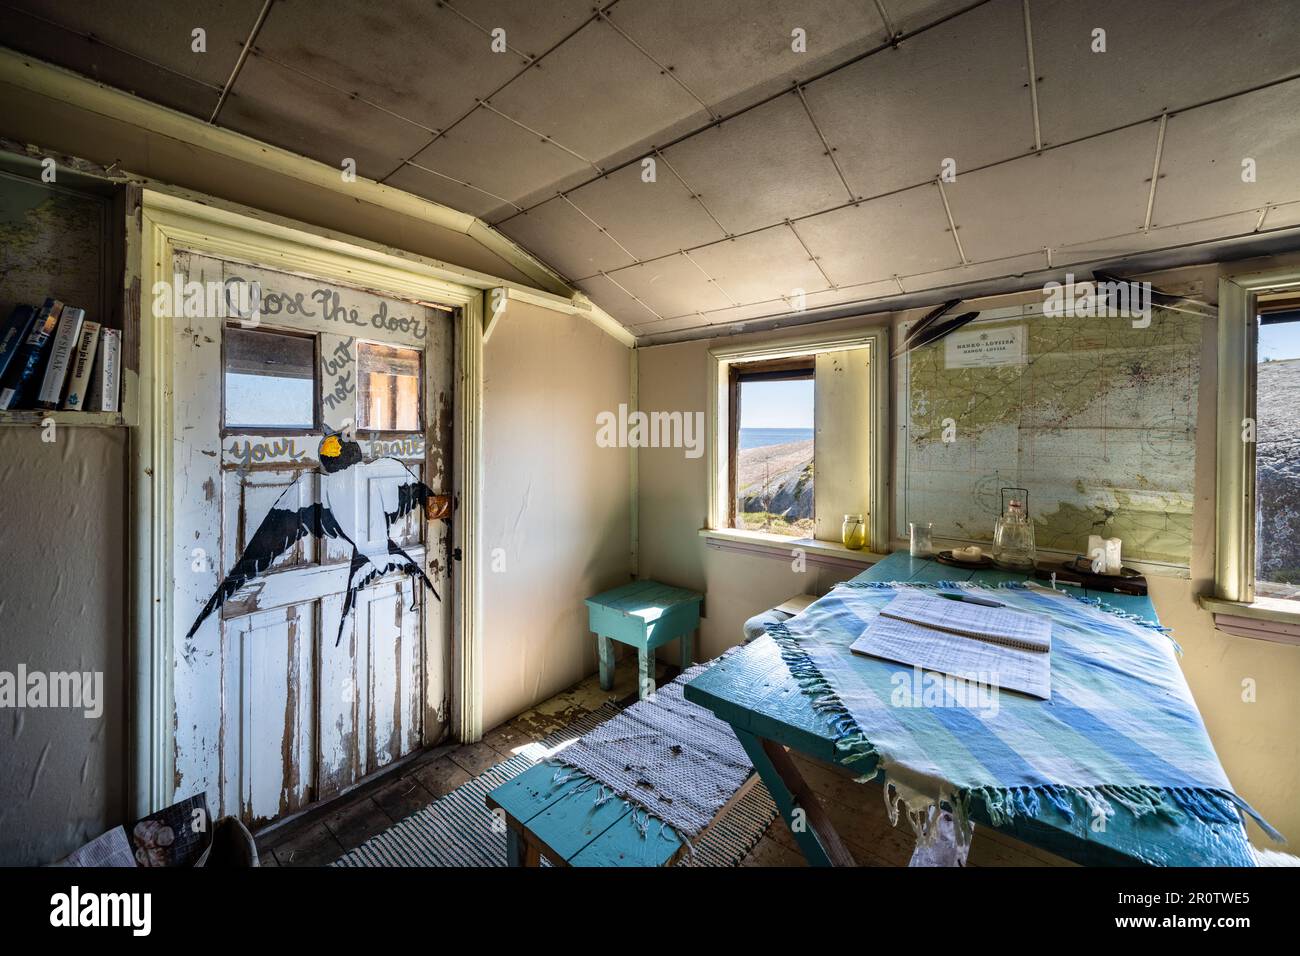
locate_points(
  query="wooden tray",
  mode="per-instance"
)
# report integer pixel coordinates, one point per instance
(1079, 571)
(983, 564)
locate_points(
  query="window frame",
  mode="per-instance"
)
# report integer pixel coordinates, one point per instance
(720, 465)
(1234, 560)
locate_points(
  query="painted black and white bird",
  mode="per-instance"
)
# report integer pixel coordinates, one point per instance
(282, 528)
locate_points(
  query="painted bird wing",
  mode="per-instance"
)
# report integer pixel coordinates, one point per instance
(279, 531)
(410, 496)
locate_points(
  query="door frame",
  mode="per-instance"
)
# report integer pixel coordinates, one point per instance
(171, 223)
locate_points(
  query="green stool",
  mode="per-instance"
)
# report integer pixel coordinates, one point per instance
(644, 615)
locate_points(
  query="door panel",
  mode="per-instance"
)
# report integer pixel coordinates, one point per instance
(282, 700)
(268, 666)
(248, 497)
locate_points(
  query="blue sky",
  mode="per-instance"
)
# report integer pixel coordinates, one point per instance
(777, 405)
(1279, 341)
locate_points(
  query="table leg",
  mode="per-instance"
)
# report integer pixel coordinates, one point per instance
(688, 641)
(605, 647)
(645, 665)
(799, 807)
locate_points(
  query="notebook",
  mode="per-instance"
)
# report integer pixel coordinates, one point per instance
(996, 646)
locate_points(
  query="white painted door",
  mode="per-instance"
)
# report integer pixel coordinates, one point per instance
(281, 698)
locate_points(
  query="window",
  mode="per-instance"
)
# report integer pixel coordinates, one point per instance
(388, 392)
(1277, 455)
(797, 439)
(772, 447)
(1256, 581)
(269, 379)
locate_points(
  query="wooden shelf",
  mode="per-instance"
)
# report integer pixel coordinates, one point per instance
(77, 241)
(37, 417)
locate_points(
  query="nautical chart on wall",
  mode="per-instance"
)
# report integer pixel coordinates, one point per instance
(1096, 417)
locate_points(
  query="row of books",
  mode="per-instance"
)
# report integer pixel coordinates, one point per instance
(52, 356)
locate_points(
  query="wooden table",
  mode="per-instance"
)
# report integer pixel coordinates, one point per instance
(753, 691)
(644, 615)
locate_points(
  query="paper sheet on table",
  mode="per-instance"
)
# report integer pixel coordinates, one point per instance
(947, 642)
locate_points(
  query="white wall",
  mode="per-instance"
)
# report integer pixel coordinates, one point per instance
(556, 507)
(63, 608)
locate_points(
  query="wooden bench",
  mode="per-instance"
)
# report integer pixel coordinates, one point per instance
(644, 615)
(545, 818)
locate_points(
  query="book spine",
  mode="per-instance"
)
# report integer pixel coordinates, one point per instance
(110, 364)
(15, 330)
(62, 349)
(81, 367)
(27, 364)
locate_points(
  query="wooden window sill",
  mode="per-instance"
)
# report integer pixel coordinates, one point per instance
(825, 553)
(1266, 619)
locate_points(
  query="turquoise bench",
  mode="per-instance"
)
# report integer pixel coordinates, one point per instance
(644, 615)
(555, 820)
(545, 818)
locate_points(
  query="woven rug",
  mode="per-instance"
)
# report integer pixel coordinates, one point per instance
(457, 829)
(668, 758)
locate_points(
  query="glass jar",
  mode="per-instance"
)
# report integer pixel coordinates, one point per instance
(1013, 539)
(854, 532)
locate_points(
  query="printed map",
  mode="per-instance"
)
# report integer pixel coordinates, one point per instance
(1096, 418)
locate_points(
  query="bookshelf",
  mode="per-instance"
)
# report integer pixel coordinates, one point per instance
(73, 238)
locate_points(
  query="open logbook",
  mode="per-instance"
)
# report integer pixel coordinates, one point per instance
(983, 642)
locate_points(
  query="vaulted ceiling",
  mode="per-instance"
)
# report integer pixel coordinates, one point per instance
(781, 178)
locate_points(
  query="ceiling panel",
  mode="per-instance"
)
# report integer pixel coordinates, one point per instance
(494, 154)
(899, 234)
(1183, 234)
(851, 293)
(531, 28)
(760, 266)
(429, 185)
(976, 272)
(1160, 54)
(957, 91)
(664, 326)
(763, 167)
(1205, 147)
(909, 15)
(157, 32)
(673, 286)
(1287, 214)
(141, 47)
(721, 50)
(650, 219)
(617, 302)
(1094, 188)
(287, 109)
(598, 96)
(415, 58)
(561, 237)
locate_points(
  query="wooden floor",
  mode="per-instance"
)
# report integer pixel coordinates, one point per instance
(325, 833)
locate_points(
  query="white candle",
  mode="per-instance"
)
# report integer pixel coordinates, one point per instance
(1112, 556)
(1097, 553)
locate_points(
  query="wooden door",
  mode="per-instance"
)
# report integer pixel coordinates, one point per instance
(282, 698)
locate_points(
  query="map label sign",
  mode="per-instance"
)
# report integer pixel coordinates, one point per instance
(981, 348)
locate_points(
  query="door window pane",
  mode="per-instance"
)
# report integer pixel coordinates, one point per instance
(388, 380)
(269, 379)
